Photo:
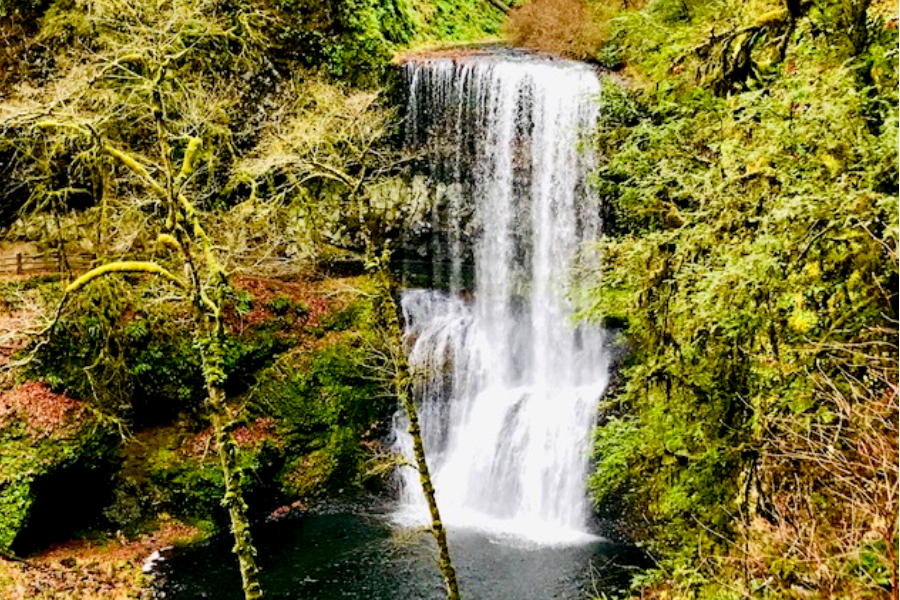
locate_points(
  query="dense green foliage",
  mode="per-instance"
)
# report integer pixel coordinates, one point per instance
(752, 253)
(313, 407)
(118, 347)
(191, 487)
(353, 40)
(455, 20)
(122, 120)
(329, 405)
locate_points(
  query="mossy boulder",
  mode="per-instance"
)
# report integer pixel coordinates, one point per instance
(328, 470)
(53, 453)
(174, 470)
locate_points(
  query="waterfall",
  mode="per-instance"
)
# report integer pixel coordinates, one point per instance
(510, 385)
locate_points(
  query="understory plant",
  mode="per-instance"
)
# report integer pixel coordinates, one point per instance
(751, 254)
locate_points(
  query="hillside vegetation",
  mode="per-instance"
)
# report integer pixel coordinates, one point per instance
(231, 160)
(749, 178)
(748, 175)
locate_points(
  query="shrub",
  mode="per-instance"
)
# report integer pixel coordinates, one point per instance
(753, 254)
(191, 487)
(130, 359)
(328, 470)
(570, 28)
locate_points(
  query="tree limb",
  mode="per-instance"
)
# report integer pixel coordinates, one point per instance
(129, 266)
(499, 6)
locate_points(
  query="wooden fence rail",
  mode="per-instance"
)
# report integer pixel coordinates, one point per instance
(47, 262)
(52, 262)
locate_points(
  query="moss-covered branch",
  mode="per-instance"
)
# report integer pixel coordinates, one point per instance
(123, 267)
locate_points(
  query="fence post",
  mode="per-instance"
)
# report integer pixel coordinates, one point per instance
(19, 269)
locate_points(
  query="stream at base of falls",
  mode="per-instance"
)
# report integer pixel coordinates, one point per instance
(362, 555)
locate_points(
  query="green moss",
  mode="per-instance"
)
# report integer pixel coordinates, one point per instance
(29, 464)
(247, 355)
(328, 470)
(283, 306)
(324, 402)
(327, 403)
(15, 501)
(122, 354)
(28, 8)
(191, 487)
(355, 315)
(335, 388)
(307, 476)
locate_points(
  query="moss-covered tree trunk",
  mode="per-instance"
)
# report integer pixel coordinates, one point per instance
(403, 388)
(206, 287)
(234, 500)
(404, 392)
(209, 312)
(211, 339)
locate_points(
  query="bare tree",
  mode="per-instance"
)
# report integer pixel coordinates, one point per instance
(204, 285)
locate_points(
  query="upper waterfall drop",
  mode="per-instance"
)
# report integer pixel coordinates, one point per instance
(510, 384)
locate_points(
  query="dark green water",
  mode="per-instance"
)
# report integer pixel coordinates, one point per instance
(349, 555)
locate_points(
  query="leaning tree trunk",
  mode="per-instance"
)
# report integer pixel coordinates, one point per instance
(184, 234)
(212, 351)
(234, 500)
(402, 380)
(437, 526)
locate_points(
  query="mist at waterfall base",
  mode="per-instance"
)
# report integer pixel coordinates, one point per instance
(508, 399)
(508, 385)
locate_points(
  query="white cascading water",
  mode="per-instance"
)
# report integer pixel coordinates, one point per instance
(510, 384)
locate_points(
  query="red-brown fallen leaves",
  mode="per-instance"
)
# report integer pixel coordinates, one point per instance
(257, 432)
(43, 411)
(108, 569)
(244, 436)
(120, 548)
(316, 296)
(288, 511)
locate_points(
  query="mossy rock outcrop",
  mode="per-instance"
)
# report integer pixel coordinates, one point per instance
(55, 456)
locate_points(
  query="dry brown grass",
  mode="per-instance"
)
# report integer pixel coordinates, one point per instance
(562, 27)
(570, 28)
(830, 523)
